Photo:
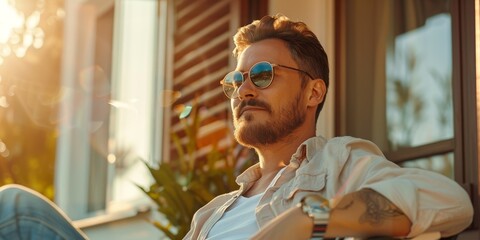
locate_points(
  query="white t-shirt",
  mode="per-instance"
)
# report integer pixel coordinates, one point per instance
(239, 222)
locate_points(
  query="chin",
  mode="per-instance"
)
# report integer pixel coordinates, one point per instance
(243, 141)
(249, 134)
(241, 129)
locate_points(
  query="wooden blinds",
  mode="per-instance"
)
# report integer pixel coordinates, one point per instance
(203, 33)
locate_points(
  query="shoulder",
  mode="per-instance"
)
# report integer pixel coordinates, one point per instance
(342, 148)
(348, 143)
(342, 154)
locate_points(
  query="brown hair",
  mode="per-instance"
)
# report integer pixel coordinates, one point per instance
(304, 46)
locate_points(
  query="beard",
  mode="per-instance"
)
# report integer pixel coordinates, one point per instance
(281, 123)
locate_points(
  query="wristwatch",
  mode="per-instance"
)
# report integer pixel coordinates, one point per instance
(316, 207)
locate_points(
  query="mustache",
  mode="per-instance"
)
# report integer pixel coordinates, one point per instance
(252, 103)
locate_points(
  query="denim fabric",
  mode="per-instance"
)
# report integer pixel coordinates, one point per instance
(25, 214)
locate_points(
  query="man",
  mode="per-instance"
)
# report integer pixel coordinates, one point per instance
(277, 92)
(303, 186)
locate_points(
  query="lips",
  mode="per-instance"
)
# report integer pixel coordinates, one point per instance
(249, 108)
(251, 105)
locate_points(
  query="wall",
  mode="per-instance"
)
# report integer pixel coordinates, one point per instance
(319, 16)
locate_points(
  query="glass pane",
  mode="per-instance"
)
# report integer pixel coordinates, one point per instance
(399, 72)
(134, 110)
(31, 36)
(442, 164)
(419, 79)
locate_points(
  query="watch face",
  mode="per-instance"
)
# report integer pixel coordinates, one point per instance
(317, 208)
(317, 201)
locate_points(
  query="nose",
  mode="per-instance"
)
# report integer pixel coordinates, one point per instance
(247, 89)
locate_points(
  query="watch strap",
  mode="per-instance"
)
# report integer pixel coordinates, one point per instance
(317, 207)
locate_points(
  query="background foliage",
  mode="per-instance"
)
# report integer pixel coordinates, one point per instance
(185, 184)
(30, 95)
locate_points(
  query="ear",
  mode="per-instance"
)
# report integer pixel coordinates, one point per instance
(317, 92)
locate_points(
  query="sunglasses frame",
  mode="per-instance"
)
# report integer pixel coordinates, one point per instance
(273, 65)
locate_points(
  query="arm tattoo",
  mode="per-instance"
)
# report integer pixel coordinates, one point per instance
(378, 209)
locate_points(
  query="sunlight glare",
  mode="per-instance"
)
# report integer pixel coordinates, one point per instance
(3, 102)
(60, 13)
(39, 35)
(19, 32)
(9, 20)
(33, 20)
(5, 153)
(5, 51)
(21, 51)
(3, 147)
(111, 158)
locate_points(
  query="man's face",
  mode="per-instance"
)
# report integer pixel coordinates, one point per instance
(267, 116)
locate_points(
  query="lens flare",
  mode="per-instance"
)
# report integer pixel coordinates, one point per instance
(3, 102)
(41, 102)
(3, 147)
(10, 19)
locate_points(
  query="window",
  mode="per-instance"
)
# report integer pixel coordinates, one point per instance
(399, 79)
(79, 99)
(111, 63)
(406, 82)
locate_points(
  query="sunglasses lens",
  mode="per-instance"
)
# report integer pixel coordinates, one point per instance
(232, 81)
(261, 74)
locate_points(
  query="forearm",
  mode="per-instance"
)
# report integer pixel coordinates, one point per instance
(367, 213)
(358, 214)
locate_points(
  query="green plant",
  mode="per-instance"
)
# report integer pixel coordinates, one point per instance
(183, 185)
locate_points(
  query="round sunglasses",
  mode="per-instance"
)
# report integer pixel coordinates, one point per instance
(261, 74)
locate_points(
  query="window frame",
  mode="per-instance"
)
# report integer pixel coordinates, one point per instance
(73, 151)
(466, 102)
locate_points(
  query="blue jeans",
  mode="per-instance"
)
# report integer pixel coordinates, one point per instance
(25, 214)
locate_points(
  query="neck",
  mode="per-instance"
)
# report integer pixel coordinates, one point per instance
(272, 157)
